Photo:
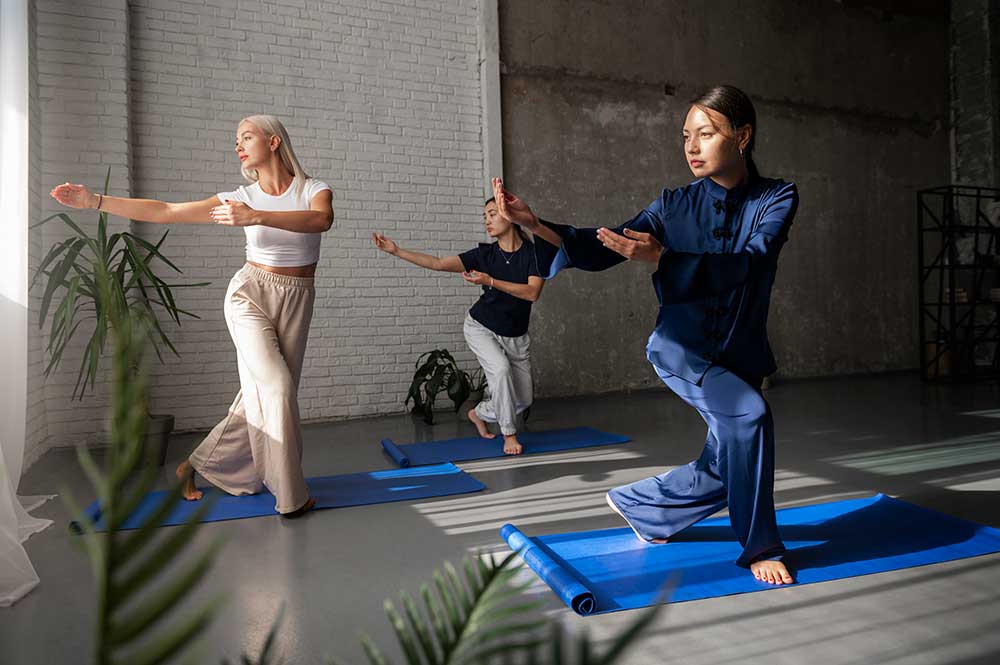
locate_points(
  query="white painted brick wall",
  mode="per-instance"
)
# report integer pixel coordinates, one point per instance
(81, 128)
(36, 431)
(382, 101)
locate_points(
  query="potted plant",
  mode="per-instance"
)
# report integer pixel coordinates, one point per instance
(74, 268)
(477, 385)
(437, 372)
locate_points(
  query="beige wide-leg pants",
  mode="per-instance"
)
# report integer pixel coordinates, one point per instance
(506, 362)
(259, 443)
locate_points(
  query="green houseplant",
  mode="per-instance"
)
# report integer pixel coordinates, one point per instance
(75, 268)
(438, 372)
(143, 577)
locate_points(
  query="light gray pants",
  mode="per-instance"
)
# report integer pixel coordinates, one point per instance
(506, 361)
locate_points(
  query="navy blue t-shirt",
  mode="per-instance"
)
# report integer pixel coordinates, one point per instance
(504, 314)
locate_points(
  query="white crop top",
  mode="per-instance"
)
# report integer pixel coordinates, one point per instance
(278, 247)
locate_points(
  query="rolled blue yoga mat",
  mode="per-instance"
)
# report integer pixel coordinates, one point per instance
(609, 570)
(354, 489)
(476, 447)
(559, 578)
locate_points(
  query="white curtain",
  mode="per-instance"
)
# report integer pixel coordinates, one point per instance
(17, 576)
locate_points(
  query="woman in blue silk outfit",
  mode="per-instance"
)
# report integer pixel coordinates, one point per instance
(715, 245)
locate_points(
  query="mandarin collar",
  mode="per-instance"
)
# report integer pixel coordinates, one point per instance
(717, 191)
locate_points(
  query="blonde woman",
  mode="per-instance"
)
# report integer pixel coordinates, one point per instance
(268, 309)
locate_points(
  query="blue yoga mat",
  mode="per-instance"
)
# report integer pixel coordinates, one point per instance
(353, 489)
(475, 447)
(594, 572)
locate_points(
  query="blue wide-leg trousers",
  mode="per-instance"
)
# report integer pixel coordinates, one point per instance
(736, 468)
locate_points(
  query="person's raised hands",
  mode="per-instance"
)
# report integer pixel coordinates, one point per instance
(511, 208)
(634, 245)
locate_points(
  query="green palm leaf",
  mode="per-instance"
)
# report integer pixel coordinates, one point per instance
(52, 255)
(267, 651)
(144, 578)
(466, 620)
(74, 266)
(154, 250)
(482, 618)
(58, 277)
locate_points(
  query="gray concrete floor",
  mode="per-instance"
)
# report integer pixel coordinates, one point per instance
(937, 446)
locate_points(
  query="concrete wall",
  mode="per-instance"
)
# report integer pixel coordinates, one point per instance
(594, 97)
(975, 92)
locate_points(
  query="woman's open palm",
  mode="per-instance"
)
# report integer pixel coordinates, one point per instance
(73, 196)
(633, 245)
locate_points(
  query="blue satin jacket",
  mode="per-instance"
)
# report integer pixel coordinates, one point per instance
(714, 278)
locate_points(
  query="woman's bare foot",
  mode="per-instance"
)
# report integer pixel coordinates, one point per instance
(480, 425)
(772, 572)
(185, 474)
(306, 507)
(511, 446)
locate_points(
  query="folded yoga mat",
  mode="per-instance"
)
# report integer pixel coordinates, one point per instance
(475, 447)
(354, 489)
(609, 570)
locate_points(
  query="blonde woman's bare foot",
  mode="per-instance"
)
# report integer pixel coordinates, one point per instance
(299, 512)
(772, 572)
(511, 446)
(480, 425)
(185, 474)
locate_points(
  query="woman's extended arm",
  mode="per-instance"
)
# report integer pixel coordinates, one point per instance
(142, 210)
(686, 277)
(583, 248)
(530, 291)
(446, 264)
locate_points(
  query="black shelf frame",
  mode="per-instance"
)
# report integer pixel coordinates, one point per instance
(956, 337)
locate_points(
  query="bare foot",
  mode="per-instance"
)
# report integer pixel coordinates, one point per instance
(299, 512)
(511, 446)
(480, 425)
(611, 504)
(185, 474)
(772, 572)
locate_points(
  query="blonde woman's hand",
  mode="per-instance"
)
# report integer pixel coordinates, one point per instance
(233, 213)
(385, 244)
(74, 196)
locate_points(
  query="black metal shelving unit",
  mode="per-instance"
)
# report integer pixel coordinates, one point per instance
(959, 282)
